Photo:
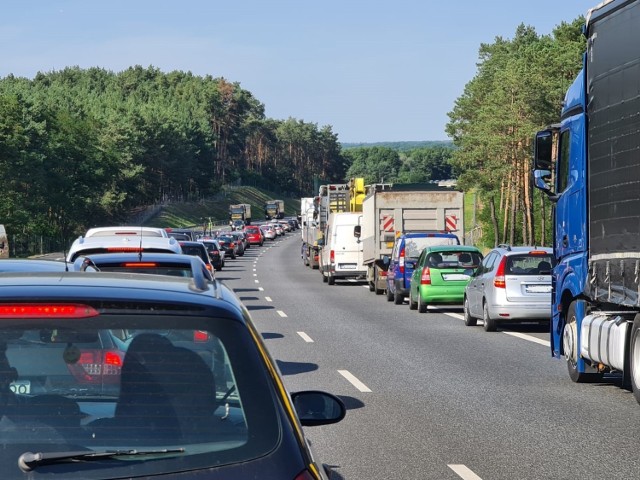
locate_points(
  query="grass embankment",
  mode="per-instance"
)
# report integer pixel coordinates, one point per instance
(189, 214)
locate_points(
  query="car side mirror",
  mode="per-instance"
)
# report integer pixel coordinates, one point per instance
(357, 231)
(318, 408)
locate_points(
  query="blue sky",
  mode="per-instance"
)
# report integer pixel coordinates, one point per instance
(373, 70)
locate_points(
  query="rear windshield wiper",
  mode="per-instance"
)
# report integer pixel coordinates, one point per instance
(28, 460)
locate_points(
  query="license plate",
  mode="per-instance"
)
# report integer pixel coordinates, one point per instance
(538, 288)
(347, 266)
(21, 387)
(450, 277)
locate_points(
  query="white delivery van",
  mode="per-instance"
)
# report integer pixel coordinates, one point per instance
(4, 243)
(341, 255)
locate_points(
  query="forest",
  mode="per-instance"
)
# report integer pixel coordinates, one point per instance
(85, 147)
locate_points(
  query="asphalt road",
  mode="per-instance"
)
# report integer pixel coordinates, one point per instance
(428, 397)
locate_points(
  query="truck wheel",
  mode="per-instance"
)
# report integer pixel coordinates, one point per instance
(331, 280)
(372, 287)
(325, 279)
(422, 306)
(490, 325)
(389, 295)
(634, 358)
(570, 348)
(469, 321)
(398, 298)
(412, 305)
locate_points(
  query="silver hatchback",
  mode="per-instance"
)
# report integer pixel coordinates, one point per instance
(512, 284)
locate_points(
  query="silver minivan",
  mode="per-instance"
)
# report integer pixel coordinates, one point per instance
(512, 284)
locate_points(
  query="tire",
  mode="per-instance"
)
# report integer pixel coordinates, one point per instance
(634, 358)
(490, 325)
(389, 295)
(422, 306)
(372, 287)
(570, 348)
(331, 280)
(412, 305)
(398, 298)
(325, 279)
(469, 321)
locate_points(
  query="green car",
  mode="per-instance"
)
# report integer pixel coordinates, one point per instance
(440, 275)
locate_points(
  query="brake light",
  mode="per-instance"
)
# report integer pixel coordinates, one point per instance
(499, 280)
(200, 336)
(140, 264)
(47, 311)
(425, 279)
(208, 265)
(332, 256)
(401, 261)
(97, 366)
(231, 245)
(538, 252)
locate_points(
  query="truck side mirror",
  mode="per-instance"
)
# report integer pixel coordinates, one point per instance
(385, 260)
(357, 231)
(543, 163)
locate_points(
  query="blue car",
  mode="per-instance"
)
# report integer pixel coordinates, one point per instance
(406, 250)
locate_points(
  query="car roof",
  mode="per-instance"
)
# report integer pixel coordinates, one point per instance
(128, 230)
(107, 288)
(31, 265)
(452, 248)
(511, 249)
(170, 245)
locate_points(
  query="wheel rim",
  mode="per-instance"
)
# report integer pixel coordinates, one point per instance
(635, 358)
(569, 345)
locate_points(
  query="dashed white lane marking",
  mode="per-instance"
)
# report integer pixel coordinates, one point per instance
(529, 338)
(255, 274)
(464, 472)
(254, 269)
(305, 337)
(354, 381)
(257, 281)
(282, 314)
(364, 286)
(260, 289)
(454, 315)
(268, 299)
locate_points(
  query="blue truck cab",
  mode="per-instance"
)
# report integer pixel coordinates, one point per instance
(406, 250)
(588, 166)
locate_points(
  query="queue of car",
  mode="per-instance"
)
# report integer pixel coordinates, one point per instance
(138, 363)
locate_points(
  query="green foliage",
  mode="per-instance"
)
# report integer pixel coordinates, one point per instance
(80, 148)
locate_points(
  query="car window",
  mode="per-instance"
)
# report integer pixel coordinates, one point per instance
(454, 259)
(528, 264)
(414, 245)
(488, 262)
(185, 384)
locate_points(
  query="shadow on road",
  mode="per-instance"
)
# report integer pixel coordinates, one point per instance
(258, 307)
(271, 335)
(294, 368)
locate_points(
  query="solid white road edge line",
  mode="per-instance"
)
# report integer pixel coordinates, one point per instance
(282, 314)
(305, 337)
(522, 336)
(529, 338)
(354, 381)
(464, 472)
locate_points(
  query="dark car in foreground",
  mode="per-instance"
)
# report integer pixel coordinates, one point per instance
(215, 251)
(192, 390)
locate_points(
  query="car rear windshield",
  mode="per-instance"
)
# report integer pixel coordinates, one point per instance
(413, 246)
(529, 264)
(197, 251)
(454, 259)
(192, 389)
(150, 268)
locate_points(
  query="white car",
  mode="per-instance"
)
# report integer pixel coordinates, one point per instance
(268, 232)
(117, 243)
(126, 231)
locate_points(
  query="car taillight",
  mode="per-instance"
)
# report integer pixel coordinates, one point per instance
(332, 256)
(231, 245)
(200, 336)
(425, 279)
(401, 261)
(304, 475)
(140, 264)
(97, 366)
(499, 280)
(208, 265)
(124, 249)
(538, 252)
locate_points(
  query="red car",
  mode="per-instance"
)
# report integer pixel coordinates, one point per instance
(254, 235)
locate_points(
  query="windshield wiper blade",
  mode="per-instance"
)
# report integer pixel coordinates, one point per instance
(28, 460)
